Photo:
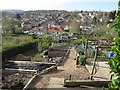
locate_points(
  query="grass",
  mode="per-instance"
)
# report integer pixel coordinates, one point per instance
(9, 40)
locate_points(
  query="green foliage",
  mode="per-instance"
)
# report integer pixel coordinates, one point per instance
(81, 60)
(80, 50)
(75, 26)
(20, 79)
(112, 15)
(10, 40)
(40, 54)
(77, 35)
(58, 62)
(35, 60)
(93, 52)
(34, 36)
(44, 44)
(10, 51)
(18, 16)
(103, 32)
(115, 62)
(79, 42)
(11, 26)
(94, 21)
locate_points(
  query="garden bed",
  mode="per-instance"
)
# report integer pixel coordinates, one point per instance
(15, 79)
(27, 65)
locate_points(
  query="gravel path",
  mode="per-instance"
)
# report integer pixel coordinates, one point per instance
(69, 68)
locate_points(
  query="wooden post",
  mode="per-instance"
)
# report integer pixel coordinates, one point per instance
(86, 46)
(70, 77)
(95, 58)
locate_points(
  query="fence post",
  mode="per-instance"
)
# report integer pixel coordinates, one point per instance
(86, 46)
(95, 58)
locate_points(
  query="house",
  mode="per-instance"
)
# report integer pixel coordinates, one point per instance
(84, 27)
(56, 30)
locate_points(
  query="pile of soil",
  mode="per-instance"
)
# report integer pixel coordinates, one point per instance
(21, 57)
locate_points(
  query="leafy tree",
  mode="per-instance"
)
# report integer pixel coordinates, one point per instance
(9, 26)
(112, 15)
(94, 21)
(18, 16)
(74, 26)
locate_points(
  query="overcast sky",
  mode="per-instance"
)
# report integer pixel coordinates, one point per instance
(104, 5)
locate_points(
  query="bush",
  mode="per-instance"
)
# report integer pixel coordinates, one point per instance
(93, 53)
(11, 51)
(41, 54)
(80, 50)
(79, 42)
(44, 44)
(81, 60)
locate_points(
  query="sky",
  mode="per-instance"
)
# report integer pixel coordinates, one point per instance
(71, 5)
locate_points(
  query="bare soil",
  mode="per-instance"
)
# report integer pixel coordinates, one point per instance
(15, 79)
(69, 68)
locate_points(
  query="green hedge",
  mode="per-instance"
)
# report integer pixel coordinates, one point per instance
(81, 60)
(11, 51)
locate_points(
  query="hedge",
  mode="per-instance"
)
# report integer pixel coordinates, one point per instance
(11, 51)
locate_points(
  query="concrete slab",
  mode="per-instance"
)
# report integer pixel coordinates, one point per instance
(102, 70)
(56, 81)
(55, 86)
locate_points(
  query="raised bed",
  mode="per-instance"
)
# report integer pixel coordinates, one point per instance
(87, 83)
(58, 54)
(15, 79)
(28, 65)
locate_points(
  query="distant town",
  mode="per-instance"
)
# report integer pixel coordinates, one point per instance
(57, 21)
(58, 49)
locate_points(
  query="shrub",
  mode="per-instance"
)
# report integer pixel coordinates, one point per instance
(11, 51)
(58, 62)
(79, 42)
(44, 44)
(80, 50)
(41, 54)
(93, 53)
(81, 60)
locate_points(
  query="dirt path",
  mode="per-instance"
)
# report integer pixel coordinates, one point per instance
(69, 68)
(70, 64)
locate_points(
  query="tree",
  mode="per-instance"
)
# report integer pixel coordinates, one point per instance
(112, 15)
(18, 16)
(11, 26)
(94, 21)
(74, 26)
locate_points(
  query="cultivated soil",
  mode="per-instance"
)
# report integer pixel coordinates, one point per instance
(65, 71)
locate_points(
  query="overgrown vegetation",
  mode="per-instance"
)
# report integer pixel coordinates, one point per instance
(102, 32)
(10, 51)
(115, 62)
(10, 40)
(44, 44)
(79, 42)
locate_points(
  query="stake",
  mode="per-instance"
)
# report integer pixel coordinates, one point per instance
(95, 58)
